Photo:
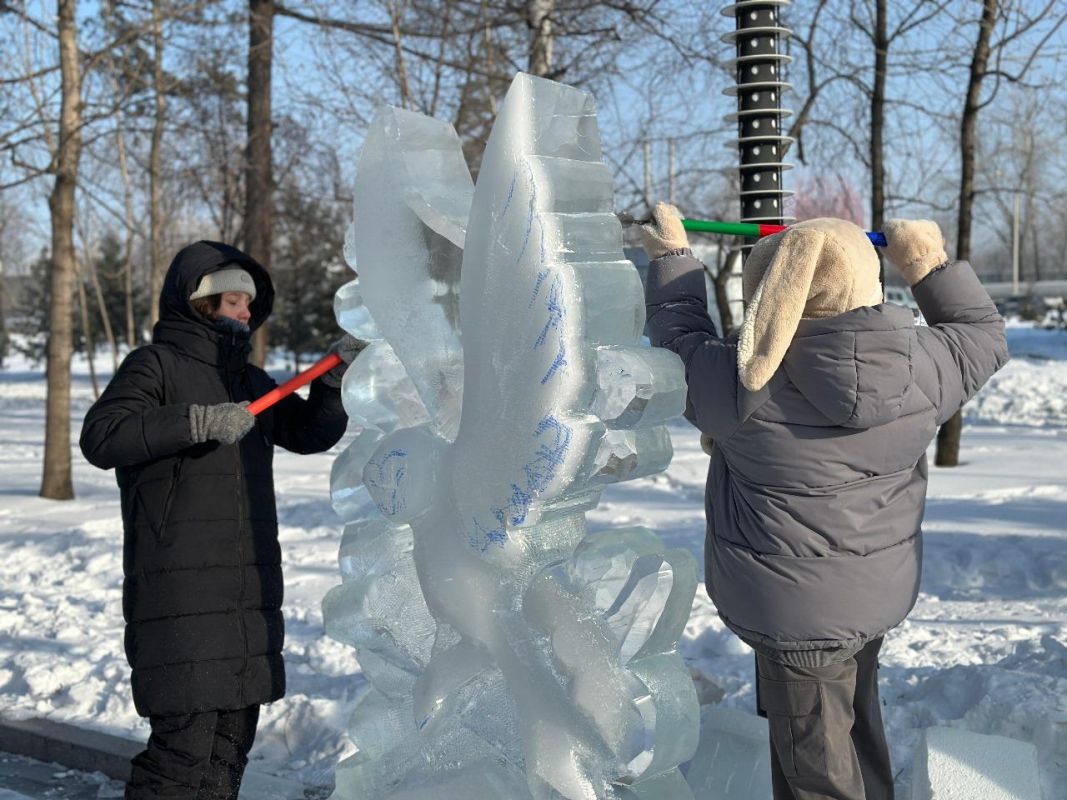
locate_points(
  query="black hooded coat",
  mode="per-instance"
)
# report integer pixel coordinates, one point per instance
(203, 581)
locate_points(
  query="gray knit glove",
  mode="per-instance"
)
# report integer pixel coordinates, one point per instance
(347, 347)
(665, 233)
(224, 422)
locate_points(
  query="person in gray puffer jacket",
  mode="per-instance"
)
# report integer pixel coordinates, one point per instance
(821, 412)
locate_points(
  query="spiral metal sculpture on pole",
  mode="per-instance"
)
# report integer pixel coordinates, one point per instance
(759, 68)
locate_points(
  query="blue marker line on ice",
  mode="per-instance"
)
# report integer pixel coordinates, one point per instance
(531, 211)
(537, 286)
(539, 472)
(511, 191)
(557, 312)
(395, 503)
(558, 363)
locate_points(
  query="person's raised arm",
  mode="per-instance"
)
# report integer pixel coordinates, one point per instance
(965, 338)
(676, 305)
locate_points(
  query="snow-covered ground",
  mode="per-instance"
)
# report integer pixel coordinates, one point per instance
(985, 648)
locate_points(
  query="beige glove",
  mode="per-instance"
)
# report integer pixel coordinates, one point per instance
(915, 247)
(665, 232)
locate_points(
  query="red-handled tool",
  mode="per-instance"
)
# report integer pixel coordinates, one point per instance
(323, 365)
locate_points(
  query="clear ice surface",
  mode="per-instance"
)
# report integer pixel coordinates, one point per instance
(510, 653)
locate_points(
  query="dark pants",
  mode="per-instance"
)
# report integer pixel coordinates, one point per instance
(194, 757)
(827, 737)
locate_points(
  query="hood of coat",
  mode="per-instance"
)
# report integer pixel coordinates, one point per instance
(180, 324)
(854, 368)
(197, 260)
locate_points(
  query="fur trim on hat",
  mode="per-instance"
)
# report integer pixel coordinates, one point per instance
(232, 279)
(818, 268)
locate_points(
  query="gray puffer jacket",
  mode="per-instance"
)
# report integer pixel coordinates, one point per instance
(817, 485)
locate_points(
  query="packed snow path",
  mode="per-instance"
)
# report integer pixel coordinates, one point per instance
(985, 648)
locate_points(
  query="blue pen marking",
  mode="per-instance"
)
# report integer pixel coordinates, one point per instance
(557, 311)
(554, 441)
(541, 471)
(542, 244)
(558, 363)
(530, 211)
(511, 191)
(518, 505)
(537, 286)
(389, 474)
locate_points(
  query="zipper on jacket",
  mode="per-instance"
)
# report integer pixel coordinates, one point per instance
(240, 551)
(260, 423)
(175, 477)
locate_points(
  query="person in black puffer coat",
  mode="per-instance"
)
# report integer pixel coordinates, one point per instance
(203, 582)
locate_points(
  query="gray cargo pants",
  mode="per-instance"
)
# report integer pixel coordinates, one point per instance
(827, 737)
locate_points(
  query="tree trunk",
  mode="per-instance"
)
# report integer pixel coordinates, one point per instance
(1035, 238)
(130, 227)
(127, 266)
(539, 19)
(87, 335)
(105, 318)
(3, 318)
(398, 52)
(881, 55)
(948, 438)
(259, 181)
(56, 482)
(155, 168)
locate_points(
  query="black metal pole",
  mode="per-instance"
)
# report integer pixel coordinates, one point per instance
(759, 68)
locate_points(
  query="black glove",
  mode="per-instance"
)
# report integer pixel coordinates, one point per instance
(223, 422)
(347, 347)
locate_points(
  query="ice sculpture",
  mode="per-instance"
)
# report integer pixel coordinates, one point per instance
(510, 653)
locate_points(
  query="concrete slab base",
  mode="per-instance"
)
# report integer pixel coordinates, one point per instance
(89, 751)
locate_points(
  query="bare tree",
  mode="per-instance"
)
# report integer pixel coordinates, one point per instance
(155, 165)
(87, 269)
(539, 19)
(882, 39)
(127, 196)
(259, 180)
(401, 64)
(948, 436)
(1017, 22)
(87, 329)
(56, 481)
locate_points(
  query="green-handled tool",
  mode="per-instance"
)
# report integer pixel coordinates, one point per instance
(751, 230)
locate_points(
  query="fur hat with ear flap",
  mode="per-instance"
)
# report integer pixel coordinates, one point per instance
(816, 268)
